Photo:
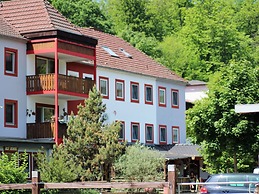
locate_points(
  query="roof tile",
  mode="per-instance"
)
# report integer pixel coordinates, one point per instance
(35, 15)
(139, 63)
(7, 30)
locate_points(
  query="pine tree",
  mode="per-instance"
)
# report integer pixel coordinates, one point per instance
(93, 143)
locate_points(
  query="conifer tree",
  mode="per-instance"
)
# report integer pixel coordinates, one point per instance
(93, 143)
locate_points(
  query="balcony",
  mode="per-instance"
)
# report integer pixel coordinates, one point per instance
(45, 130)
(40, 83)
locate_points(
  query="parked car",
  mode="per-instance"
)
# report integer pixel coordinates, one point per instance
(230, 183)
(256, 170)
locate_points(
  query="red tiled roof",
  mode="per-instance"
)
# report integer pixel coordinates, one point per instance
(139, 63)
(35, 16)
(7, 30)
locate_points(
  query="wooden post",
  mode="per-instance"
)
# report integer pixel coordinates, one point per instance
(35, 182)
(171, 179)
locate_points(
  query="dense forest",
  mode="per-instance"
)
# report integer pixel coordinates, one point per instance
(194, 38)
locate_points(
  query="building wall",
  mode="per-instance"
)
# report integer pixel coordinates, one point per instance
(142, 113)
(13, 88)
(169, 116)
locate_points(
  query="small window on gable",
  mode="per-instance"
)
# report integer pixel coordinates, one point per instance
(126, 53)
(110, 51)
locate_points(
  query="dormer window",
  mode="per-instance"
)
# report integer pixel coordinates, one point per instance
(126, 53)
(110, 51)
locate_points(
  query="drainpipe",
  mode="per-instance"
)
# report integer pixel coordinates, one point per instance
(56, 91)
(95, 66)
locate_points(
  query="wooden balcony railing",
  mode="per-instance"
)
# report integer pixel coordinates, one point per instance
(46, 82)
(45, 130)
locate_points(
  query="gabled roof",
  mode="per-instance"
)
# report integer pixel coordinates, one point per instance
(128, 58)
(8, 30)
(35, 15)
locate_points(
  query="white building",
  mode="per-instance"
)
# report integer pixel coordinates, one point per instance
(49, 66)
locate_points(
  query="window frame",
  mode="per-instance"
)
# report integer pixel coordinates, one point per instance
(146, 133)
(172, 98)
(145, 87)
(162, 104)
(160, 134)
(178, 134)
(14, 103)
(122, 123)
(14, 63)
(131, 91)
(106, 79)
(135, 124)
(47, 66)
(123, 90)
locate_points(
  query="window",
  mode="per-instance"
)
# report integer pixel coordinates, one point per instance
(110, 51)
(44, 112)
(149, 133)
(122, 131)
(162, 96)
(44, 66)
(126, 53)
(11, 62)
(175, 98)
(162, 134)
(134, 92)
(104, 87)
(175, 131)
(119, 85)
(135, 132)
(11, 113)
(148, 94)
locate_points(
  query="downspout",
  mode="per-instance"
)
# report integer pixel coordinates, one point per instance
(95, 66)
(56, 91)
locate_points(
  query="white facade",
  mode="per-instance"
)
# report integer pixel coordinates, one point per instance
(13, 88)
(142, 113)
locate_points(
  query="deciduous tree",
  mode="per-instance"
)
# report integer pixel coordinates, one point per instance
(230, 141)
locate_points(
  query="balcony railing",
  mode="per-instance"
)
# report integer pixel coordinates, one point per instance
(45, 130)
(36, 83)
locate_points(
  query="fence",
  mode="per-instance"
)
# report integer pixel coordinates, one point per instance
(36, 184)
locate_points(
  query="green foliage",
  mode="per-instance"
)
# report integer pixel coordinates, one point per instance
(10, 169)
(93, 143)
(13, 170)
(229, 140)
(140, 163)
(59, 166)
(84, 13)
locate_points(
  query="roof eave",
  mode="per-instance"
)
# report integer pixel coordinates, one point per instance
(61, 34)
